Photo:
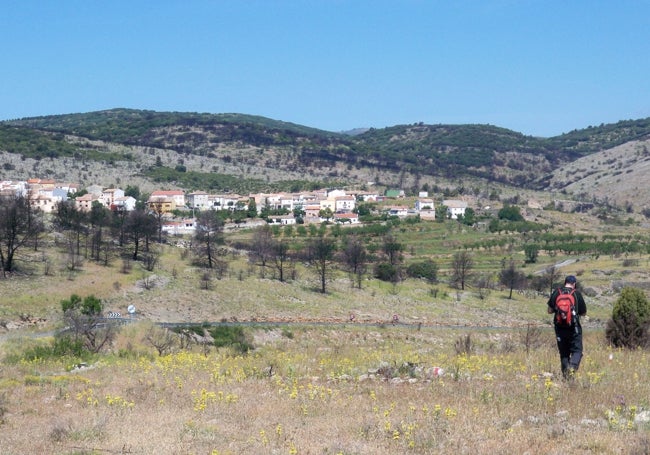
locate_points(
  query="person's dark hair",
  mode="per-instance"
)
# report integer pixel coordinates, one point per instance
(570, 279)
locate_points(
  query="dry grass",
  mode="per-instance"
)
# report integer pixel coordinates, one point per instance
(350, 388)
(353, 390)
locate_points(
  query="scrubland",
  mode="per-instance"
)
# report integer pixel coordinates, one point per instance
(333, 373)
(350, 389)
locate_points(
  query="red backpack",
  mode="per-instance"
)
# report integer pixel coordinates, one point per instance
(565, 304)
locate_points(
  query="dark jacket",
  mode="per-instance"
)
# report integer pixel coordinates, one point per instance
(581, 306)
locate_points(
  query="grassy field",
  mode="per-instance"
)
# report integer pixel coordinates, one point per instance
(331, 390)
(361, 386)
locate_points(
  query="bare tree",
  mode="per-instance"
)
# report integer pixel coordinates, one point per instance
(321, 252)
(484, 285)
(461, 267)
(207, 238)
(20, 224)
(69, 219)
(551, 275)
(158, 212)
(261, 248)
(162, 339)
(393, 249)
(139, 226)
(511, 277)
(355, 257)
(281, 258)
(99, 219)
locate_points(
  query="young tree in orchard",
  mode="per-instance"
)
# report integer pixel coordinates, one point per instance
(20, 225)
(461, 268)
(207, 238)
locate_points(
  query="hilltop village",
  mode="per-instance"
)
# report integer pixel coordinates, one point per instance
(331, 205)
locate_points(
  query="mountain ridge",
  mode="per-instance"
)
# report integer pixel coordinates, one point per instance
(274, 151)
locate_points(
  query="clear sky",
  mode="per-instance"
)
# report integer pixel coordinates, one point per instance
(538, 67)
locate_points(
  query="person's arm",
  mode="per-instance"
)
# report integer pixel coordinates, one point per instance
(582, 306)
(551, 302)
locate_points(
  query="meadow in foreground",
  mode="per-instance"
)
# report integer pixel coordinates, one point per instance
(330, 390)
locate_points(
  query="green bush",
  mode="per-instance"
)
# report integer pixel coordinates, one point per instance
(232, 336)
(386, 272)
(628, 326)
(63, 346)
(426, 269)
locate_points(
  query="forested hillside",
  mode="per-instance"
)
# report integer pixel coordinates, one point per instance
(275, 152)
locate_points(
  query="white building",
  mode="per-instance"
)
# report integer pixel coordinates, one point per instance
(455, 208)
(198, 200)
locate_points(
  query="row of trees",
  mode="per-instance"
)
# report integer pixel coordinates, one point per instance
(102, 235)
(99, 234)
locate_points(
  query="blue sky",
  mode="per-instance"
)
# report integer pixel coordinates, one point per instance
(538, 67)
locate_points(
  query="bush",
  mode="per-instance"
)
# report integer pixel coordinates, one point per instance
(425, 269)
(630, 320)
(387, 272)
(63, 346)
(232, 336)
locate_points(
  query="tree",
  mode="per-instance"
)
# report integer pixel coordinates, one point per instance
(299, 214)
(469, 218)
(99, 218)
(20, 224)
(321, 251)
(510, 213)
(208, 237)
(261, 250)
(546, 282)
(393, 250)
(84, 317)
(461, 267)
(532, 252)
(133, 191)
(630, 321)
(140, 227)
(161, 338)
(280, 257)
(326, 213)
(511, 277)
(251, 211)
(68, 218)
(355, 257)
(484, 285)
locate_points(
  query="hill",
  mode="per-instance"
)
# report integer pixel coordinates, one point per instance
(236, 152)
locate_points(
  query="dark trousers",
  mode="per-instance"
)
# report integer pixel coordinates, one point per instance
(569, 344)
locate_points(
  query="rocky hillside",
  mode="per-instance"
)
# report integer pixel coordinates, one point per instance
(234, 152)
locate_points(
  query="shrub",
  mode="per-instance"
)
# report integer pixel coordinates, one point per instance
(61, 346)
(426, 269)
(232, 336)
(387, 272)
(628, 326)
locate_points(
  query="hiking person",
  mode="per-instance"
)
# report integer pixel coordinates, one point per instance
(568, 305)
